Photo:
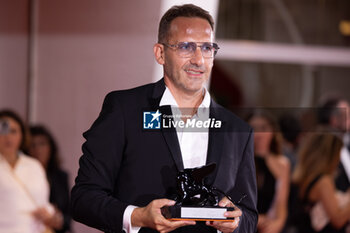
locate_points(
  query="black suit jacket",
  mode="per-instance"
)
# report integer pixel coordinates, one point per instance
(122, 164)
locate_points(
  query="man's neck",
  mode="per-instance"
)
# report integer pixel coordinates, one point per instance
(189, 100)
(186, 99)
(188, 103)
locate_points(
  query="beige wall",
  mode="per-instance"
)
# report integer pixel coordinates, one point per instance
(84, 49)
(13, 55)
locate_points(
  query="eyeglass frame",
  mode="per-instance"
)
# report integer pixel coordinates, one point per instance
(176, 47)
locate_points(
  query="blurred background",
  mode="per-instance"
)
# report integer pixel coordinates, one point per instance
(59, 58)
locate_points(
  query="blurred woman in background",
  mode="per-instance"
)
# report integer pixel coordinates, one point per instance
(272, 172)
(321, 207)
(24, 190)
(43, 147)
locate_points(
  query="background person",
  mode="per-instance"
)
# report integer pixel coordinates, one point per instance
(314, 176)
(291, 131)
(333, 112)
(24, 190)
(272, 173)
(43, 147)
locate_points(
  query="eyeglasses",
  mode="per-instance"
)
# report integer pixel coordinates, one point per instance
(188, 49)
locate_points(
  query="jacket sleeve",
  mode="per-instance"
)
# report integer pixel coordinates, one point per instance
(92, 202)
(246, 189)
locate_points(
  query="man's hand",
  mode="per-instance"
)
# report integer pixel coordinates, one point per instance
(227, 226)
(151, 216)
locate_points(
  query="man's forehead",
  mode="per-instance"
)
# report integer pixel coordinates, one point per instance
(191, 25)
(194, 30)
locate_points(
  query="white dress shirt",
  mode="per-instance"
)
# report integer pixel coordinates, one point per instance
(193, 143)
(16, 204)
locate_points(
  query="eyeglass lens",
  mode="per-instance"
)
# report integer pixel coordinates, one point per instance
(187, 49)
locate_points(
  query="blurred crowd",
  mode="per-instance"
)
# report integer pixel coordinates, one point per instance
(302, 175)
(34, 189)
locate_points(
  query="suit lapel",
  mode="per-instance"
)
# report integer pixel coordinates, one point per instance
(171, 139)
(215, 144)
(169, 135)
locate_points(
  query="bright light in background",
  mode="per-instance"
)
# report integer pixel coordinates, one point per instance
(344, 27)
(209, 5)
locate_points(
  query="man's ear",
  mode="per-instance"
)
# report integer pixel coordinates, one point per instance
(158, 50)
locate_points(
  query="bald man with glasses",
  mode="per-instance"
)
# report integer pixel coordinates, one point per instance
(131, 160)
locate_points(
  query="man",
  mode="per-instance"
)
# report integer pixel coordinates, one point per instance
(128, 172)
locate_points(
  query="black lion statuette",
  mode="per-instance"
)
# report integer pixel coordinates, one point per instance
(191, 188)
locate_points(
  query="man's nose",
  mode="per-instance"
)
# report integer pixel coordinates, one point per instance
(197, 58)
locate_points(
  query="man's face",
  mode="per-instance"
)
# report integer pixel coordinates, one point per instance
(188, 74)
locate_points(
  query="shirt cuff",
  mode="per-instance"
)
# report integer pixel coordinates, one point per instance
(127, 227)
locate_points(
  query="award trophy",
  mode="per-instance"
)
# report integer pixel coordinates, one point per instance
(195, 200)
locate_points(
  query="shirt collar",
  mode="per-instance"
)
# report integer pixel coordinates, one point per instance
(168, 99)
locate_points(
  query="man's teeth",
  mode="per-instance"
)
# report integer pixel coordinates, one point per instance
(193, 72)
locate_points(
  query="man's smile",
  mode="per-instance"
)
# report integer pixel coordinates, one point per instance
(193, 72)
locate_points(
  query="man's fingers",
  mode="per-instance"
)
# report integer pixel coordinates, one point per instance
(167, 226)
(236, 222)
(177, 224)
(160, 223)
(159, 203)
(229, 226)
(233, 214)
(155, 220)
(224, 226)
(225, 202)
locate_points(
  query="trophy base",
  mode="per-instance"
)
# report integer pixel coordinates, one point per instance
(205, 213)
